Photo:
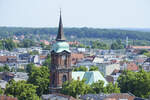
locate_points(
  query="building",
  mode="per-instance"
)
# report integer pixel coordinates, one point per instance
(113, 96)
(90, 76)
(61, 70)
(75, 57)
(140, 47)
(120, 96)
(57, 96)
(7, 98)
(108, 68)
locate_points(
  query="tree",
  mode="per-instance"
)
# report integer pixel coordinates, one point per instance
(7, 44)
(99, 45)
(6, 68)
(114, 46)
(1, 69)
(40, 78)
(47, 62)
(117, 45)
(29, 68)
(112, 88)
(147, 54)
(94, 68)
(143, 51)
(135, 82)
(34, 53)
(81, 68)
(75, 88)
(98, 87)
(12, 69)
(26, 43)
(21, 90)
(81, 46)
(1, 91)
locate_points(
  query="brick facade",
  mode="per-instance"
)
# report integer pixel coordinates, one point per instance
(60, 71)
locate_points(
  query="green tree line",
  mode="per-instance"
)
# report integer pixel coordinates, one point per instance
(77, 32)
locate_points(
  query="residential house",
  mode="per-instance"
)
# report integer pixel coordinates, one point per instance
(107, 67)
(11, 61)
(75, 57)
(129, 66)
(42, 59)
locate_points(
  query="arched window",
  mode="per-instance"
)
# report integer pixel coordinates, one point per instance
(64, 59)
(64, 78)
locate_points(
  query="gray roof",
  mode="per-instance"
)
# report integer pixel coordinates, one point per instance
(93, 96)
(57, 97)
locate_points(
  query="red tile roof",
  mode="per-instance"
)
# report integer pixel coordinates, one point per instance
(140, 47)
(132, 66)
(42, 57)
(4, 59)
(7, 98)
(76, 57)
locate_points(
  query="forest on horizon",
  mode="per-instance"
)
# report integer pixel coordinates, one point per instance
(84, 32)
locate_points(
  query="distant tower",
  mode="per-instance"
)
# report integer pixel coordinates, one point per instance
(60, 70)
(127, 42)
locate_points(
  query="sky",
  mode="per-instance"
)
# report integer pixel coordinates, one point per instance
(76, 13)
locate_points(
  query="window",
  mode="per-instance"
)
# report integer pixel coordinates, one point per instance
(63, 57)
(64, 78)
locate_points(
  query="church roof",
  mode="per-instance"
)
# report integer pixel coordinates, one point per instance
(90, 76)
(60, 47)
(60, 35)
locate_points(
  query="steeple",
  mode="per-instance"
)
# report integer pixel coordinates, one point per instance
(60, 35)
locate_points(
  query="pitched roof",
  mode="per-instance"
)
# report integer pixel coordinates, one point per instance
(57, 96)
(7, 98)
(76, 57)
(117, 96)
(43, 57)
(90, 76)
(140, 47)
(5, 58)
(132, 67)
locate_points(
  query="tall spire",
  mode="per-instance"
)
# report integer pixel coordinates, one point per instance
(60, 35)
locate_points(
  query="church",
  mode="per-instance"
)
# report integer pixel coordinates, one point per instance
(61, 70)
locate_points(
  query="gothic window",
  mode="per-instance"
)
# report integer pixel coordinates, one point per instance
(64, 78)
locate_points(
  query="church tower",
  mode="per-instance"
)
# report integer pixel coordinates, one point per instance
(60, 70)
